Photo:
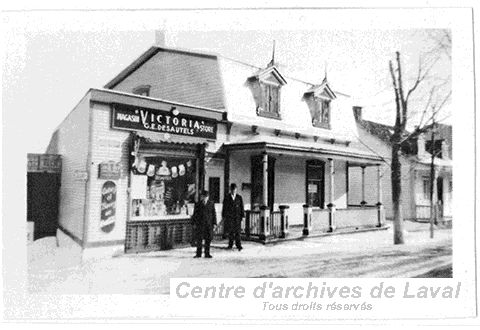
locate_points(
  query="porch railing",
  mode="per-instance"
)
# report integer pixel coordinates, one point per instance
(252, 226)
(275, 225)
(356, 217)
(422, 212)
(270, 225)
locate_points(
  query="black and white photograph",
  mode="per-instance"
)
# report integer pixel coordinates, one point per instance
(177, 156)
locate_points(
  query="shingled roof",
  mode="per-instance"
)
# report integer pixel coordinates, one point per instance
(384, 133)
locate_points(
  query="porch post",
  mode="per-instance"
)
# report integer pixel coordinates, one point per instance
(264, 222)
(265, 179)
(307, 219)
(331, 205)
(226, 188)
(379, 185)
(283, 220)
(380, 209)
(363, 202)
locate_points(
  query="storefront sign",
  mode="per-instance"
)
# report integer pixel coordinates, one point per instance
(44, 163)
(80, 175)
(109, 200)
(136, 118)
(109, 170)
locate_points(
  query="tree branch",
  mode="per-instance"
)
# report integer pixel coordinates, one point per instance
(403, 102)
(395, 88)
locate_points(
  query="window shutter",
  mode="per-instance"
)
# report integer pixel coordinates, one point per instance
(275, 100)
(264, 102)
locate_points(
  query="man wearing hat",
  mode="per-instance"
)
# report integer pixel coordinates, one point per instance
(232, 214)
(204, 220)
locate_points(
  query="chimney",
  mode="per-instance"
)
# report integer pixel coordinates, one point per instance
(445, 150)
(159, 38)
(420, 145)
(357, 113)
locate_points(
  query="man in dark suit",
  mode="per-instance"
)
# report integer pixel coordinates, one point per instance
(204, 220)
(232, 214)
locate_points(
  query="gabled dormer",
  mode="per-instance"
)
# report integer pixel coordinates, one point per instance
(319, 99)
(266, 85)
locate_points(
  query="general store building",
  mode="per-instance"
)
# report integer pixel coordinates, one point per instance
(137, 152)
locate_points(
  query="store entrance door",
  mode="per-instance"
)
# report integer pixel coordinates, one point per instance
(42, 203)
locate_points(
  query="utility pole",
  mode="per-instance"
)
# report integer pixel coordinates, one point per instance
(432, 179)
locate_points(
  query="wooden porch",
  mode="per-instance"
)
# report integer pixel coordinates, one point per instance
(264, 226)
(423, 214)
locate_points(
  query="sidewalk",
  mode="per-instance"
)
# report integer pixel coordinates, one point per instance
(366, 254)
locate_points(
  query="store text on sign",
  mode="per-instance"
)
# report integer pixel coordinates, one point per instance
(136, 118)
(109, 170)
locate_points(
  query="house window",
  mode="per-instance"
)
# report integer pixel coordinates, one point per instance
(143, 90)
(426, 188)
(435, 148)
(321, 114)
(270, 101)
(315, 183)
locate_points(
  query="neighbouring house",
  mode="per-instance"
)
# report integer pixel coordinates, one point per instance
(137, 152)
(416, 164)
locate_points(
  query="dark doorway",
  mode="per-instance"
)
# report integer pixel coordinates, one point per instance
(42, 203)
(440, 196)
(257, 181)
(440, 189)
(315, 183)
(214, 189)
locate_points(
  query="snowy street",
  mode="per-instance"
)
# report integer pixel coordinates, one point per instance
(367, 254)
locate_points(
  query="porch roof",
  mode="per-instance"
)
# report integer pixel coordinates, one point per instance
(298, 147)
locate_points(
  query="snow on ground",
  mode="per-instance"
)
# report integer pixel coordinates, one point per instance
(368, 254)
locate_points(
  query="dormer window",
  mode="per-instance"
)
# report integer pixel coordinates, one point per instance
(270, 102)
(321, 115)
(143, 90)
(319, 100)
(265, 86)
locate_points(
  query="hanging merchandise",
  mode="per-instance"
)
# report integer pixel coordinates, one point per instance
(142, 166)
(151, 170)
(181, 169)
(190, 191)
(174, 172)
(136, 163)
(190, 177)
(134, 153)
(163, 169)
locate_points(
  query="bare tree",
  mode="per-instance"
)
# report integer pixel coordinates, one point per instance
(434, 102)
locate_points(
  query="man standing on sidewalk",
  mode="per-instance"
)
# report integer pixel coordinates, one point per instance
(232, 214)
(204, 220)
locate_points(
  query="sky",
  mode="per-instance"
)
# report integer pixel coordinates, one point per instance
(52, 59)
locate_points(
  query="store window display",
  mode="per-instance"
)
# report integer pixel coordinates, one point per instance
(169, 183)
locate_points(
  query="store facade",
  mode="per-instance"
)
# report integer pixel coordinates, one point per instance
(137, 166)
